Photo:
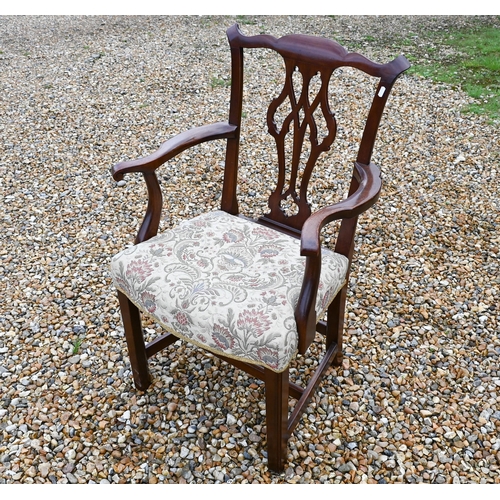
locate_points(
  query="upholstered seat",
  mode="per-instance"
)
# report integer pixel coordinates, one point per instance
(226, 284)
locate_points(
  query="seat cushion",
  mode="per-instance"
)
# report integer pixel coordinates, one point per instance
(226, 284)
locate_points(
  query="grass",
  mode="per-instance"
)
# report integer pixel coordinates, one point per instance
(76, 345)
(245, 20)
(219, 82)
(472, 63)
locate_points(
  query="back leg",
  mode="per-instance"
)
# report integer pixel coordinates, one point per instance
(335, 324)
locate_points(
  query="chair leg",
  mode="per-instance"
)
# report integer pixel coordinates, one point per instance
(335, 324)
(135, 342)
(276, 418)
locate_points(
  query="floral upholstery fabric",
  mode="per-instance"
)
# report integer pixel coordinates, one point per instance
(226, 284)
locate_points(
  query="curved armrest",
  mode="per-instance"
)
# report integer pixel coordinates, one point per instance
(174, 146)
(363, 198)
(366, 194)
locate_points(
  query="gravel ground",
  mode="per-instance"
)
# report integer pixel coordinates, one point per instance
(418, 396)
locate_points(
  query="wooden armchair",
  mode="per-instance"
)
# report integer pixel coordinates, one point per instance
(255, 292)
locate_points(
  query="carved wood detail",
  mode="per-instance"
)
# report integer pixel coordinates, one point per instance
(307, 138)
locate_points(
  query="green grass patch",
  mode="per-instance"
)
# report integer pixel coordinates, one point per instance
(219, 82)
(472, 63)
(245, 20)
(76, 345)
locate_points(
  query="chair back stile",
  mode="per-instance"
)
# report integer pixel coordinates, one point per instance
(229, 201)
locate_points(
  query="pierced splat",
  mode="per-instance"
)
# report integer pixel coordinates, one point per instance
(299, 145)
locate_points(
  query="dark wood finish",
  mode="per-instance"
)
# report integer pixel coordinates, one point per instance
(335, 325)
(148, 165)
(308, 393)
(160, 343)
(135, 342)
(310, 56)
(276, 418)
(255, 371)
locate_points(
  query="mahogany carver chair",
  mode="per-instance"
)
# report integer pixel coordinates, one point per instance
(255, 291)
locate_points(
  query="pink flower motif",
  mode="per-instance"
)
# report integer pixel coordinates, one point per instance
(148, 301)
(265, 232)
(268, 356)
(327, 298)
(139, 269)
(222, 337)
(254, 282)
(201, 338)
(182, 318)
(255, 321)
(200, 223)
(188, 255)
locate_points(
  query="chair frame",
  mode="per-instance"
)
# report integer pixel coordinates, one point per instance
(310, 55)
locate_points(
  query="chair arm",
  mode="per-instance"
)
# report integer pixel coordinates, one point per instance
(366, 194)
(174, 146)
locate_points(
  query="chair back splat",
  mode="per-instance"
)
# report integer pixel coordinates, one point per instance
(256, 291)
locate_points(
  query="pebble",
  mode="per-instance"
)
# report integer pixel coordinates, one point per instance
(417, 397)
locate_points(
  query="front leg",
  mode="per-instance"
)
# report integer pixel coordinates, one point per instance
(277, 388)
(135, 342)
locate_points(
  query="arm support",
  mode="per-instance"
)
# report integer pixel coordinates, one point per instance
(148, 165)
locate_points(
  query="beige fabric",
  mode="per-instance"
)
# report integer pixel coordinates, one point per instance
(226, 284)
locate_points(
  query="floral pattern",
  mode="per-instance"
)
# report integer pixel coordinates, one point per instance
(227, 285)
